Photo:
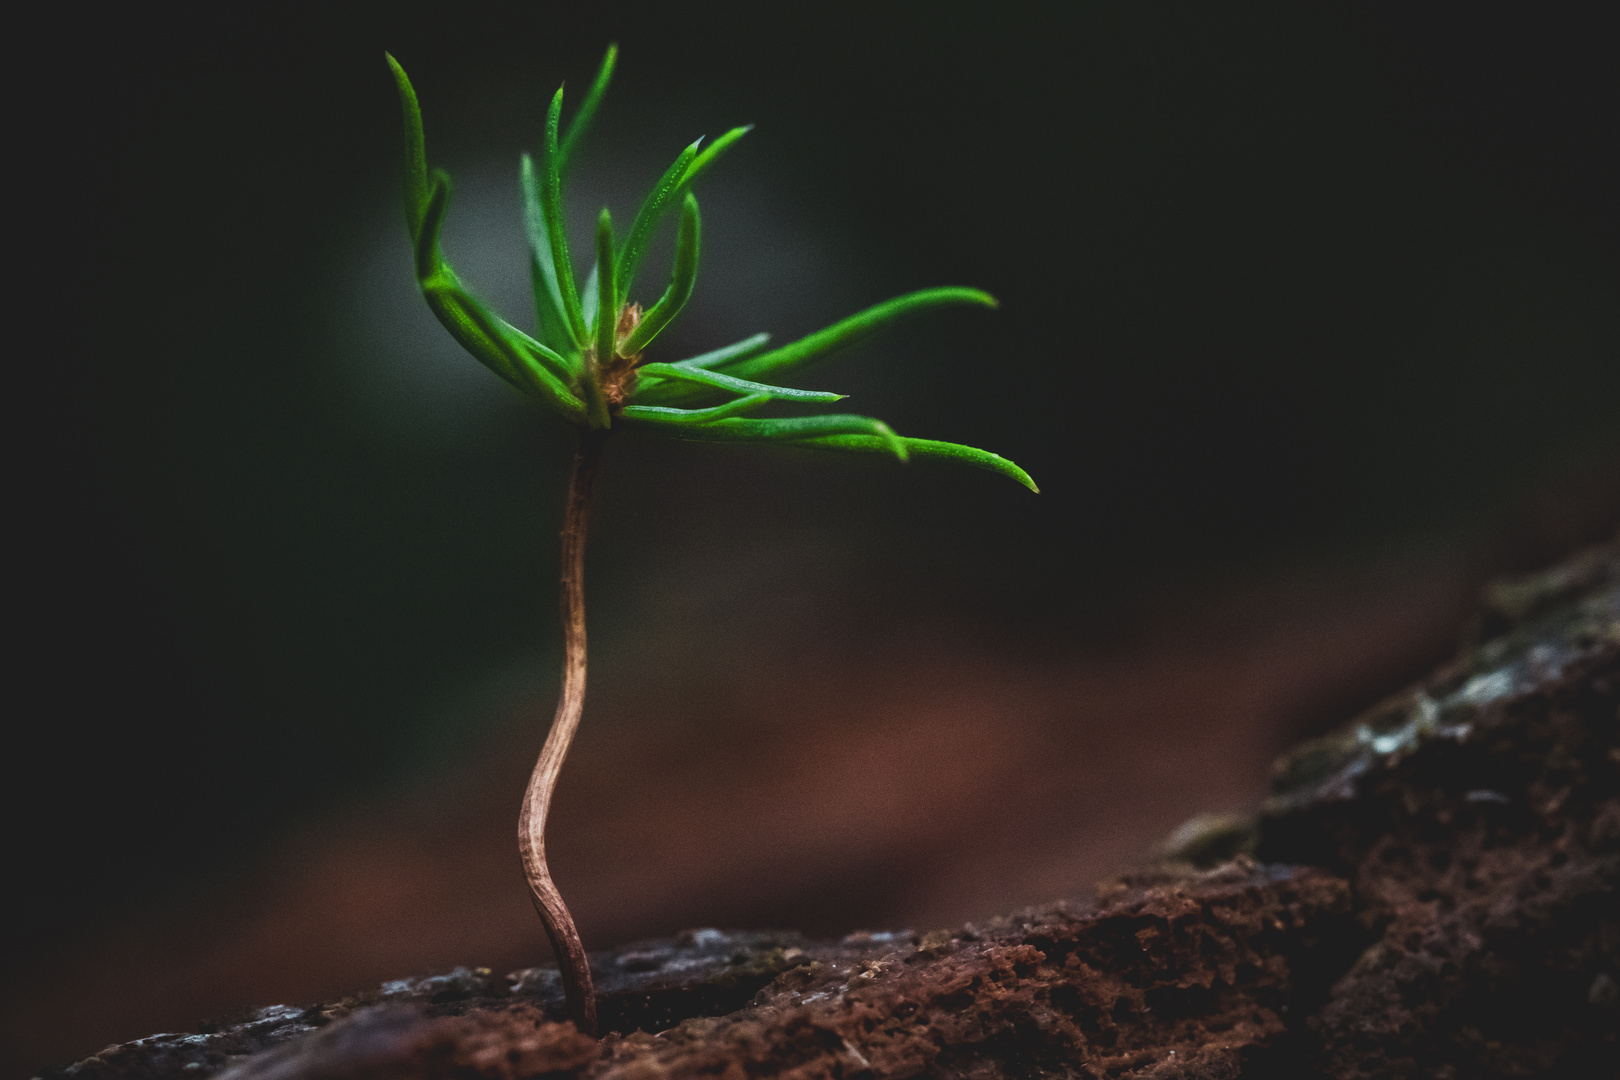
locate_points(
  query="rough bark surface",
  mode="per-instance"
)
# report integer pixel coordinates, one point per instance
(1431, 891)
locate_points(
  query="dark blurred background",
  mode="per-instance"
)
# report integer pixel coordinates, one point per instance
(1310, 322)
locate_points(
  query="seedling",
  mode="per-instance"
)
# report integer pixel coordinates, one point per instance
(586, 365)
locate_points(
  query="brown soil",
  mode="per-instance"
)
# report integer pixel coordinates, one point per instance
(1429, 892)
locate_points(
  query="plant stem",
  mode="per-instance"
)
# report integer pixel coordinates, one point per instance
(565, 942)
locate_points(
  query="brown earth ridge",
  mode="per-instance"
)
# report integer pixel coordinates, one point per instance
(1430, 891)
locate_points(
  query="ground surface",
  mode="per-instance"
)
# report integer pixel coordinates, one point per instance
(1430, 891)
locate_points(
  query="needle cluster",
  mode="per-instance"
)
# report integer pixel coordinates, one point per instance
(586, 361)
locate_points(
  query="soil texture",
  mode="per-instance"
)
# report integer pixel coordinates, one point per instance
(1430, 891)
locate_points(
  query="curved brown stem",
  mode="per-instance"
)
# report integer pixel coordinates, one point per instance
(565, 942)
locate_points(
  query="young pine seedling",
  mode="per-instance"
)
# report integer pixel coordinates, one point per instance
(586, 365)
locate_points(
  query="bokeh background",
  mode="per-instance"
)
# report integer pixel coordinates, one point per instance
(1310, 323)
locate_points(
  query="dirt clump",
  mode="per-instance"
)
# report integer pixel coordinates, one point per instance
(1430, 891)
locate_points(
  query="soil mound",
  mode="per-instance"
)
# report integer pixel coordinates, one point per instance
(1429, 892)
